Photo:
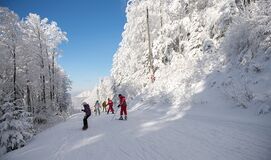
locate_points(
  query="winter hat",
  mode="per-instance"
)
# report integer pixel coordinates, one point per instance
(84, 103)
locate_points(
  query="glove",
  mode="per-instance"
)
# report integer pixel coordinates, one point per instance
(118, 106)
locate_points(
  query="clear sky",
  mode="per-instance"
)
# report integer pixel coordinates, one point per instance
(93, 28)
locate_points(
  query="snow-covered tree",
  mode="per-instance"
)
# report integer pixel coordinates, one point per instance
(247, 48)
(15, 121)
(33, 88)
(195, 40)
(45, 38)
(16, 126)
(178, 45)
(63, 97)
(10, 41)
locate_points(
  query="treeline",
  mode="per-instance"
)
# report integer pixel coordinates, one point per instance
(178, 44)
(33, 87)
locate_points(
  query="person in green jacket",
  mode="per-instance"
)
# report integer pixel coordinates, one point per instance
(104, 106)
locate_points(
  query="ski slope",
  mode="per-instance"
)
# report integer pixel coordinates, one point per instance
(198, 133)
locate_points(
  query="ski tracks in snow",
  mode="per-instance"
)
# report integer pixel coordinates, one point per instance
(146, 137)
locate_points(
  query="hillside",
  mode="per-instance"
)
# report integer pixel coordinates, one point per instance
(224, 45)
(157, 131)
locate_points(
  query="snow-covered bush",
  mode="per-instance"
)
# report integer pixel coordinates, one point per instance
(247, 50)
(16, 126)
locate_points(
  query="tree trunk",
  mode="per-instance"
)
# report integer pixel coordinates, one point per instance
(43, 90)
(53, 75)
(150, 51)
(14, 73)
(161, 14)
(28, 91)
(50, 82)
(28, 97)
(42, 71)
(43, 97)
(50, 77)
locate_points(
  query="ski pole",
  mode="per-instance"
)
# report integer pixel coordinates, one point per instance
(115, 114)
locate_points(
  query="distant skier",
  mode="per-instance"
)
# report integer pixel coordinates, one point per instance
(88, 113)
(97, 107)
(123, 107)
(110, 104)
(104, 106)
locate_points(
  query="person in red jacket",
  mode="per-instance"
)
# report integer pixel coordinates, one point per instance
(123, 107)
(110, 104)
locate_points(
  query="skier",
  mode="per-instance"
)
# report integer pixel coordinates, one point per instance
(104, 106)
(88, 113)
(123, 107)
(110, 104)
(97, 107)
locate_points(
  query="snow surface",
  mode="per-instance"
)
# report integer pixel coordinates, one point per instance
(157, 131)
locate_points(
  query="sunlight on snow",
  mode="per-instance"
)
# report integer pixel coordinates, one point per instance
(87, 141)
(151, 126)
(199, 87)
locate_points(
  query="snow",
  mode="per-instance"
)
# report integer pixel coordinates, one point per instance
(155, 130)
(210, 98)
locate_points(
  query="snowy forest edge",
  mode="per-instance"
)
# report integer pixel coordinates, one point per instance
(34, 89)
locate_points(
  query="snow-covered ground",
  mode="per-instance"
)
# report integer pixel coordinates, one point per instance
(157, 131)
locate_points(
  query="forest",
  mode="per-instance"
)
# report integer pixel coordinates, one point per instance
(34, 88)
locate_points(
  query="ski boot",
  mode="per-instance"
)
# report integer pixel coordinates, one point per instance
(120, 118)
(125, 117)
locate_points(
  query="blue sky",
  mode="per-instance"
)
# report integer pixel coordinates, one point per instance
(93, 28)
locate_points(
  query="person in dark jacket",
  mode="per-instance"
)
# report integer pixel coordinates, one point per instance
(123, 107)
(88, 113)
